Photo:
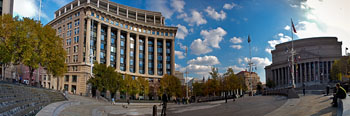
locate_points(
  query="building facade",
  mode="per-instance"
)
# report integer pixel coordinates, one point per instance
(6, 7)
(133, 41)
(254, 77)
(313, 61)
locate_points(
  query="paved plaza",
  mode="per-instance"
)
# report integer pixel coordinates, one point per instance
(309, 105)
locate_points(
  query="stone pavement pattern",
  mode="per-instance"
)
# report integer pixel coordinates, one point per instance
(246, 106)
(309, 105)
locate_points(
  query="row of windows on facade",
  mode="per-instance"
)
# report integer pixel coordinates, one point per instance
(74, 78)
(75, 59)
(75, 49)
(133, 28)
(69, 18)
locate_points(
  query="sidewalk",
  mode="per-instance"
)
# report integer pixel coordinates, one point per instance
(309, 105)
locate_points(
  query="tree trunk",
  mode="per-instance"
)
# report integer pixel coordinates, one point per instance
(31, 71)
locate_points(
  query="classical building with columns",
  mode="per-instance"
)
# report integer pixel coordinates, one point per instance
(313, 61)
(134, 41)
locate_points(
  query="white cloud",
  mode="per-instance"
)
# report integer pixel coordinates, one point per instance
(325, 18)
(28, 8)
(201, 65)
(236, 69)
(160, 6)
(236, 40)
(236, 46)
(197, 69)
(177, 66)
(212, 38)
(179, 54)
(206, 60)
(239, 60)
(195, 19)
(259, 62)
(215, 15)
(229, 6)
(287, 27)
(61, 3)
(199, 47)
(178, 5)
(183, 47)
(282, 38)
(181, 32)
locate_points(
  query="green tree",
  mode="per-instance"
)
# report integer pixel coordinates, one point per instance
(105, 78)
(27, 42)
(214, 83)
(270, 83)
(8, 31)
(198, 89)
(171, 85)
(143, 86)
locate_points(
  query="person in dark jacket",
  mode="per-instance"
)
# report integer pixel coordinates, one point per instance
(327, 90)
(164, 100)
(304, 89)
(341, 94)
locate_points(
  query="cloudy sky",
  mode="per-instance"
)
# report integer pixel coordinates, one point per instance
(215, 32)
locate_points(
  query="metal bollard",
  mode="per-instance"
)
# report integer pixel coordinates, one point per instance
(154, 110)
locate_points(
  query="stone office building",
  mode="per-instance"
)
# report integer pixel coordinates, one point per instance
(134, 41)
(313, 61)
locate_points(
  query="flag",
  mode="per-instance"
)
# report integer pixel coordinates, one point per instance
(249, 39)
(295, 31)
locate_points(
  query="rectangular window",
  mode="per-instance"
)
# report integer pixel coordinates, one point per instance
(140, 55)
(92, 14)
(74, 78)
(121, 51)
(102, 18)
(66, 78)
(112, 49)
(76, 39)
(122, 60)
(102, 46)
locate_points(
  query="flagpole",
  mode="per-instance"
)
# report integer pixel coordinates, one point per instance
(250, 67)
(292, 54)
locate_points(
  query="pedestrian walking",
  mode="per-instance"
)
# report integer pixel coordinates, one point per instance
(164, 100)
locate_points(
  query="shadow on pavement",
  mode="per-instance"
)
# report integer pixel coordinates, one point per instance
(330, 109)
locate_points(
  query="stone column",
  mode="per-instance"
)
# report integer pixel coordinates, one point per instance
(137, 43)
(127, 46)
(278, 77)
(155, 57)
(127, 13)
(146, 55)
(164, 56)
(310, 71)
(87, 45)
(98, 43)
(108, 52)
(98, 3)
(327, 72)
(118, 50)
(172, 57)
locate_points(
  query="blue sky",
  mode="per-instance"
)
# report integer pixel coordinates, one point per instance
(216, 32)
